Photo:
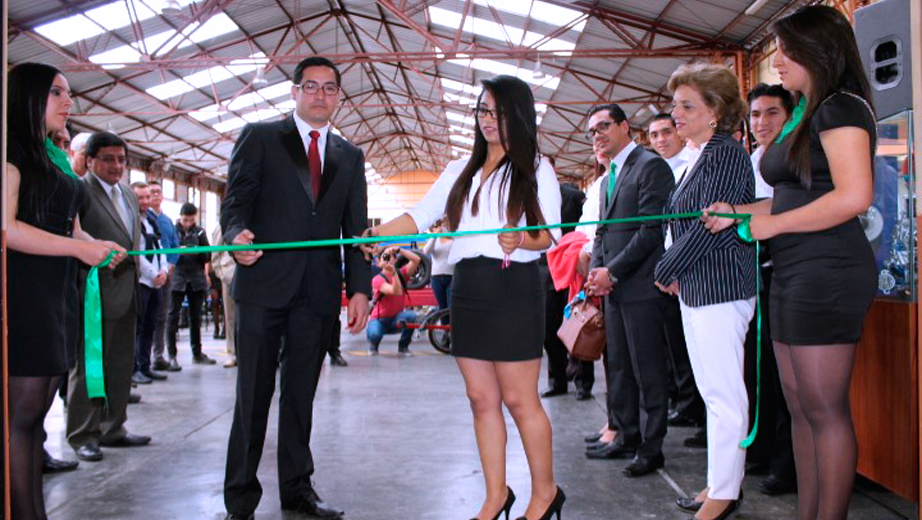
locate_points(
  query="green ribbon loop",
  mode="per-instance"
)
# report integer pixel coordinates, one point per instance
(744, 231)
(92, 332)
(747, 442)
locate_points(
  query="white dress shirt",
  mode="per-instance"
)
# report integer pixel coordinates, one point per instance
(591, 211)
(680, 162)
(491, 211)
(151, 265)
(763, 190)
(304, 129)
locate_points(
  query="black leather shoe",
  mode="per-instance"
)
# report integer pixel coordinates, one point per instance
(140, 379)
(53, 465)
(159, 364)
(134, 398)
(772, 485)
(688, 504)
(236, 516)
(155, 376)
(336, 359)
(729, 510)
(202, 359)
(614, 450)
(692, 506)
(593, 438)
(173, 365)
(597, 445)
(698, 440)
(554, 391)
(89, 452)
(644, 466)
(309, 503)
(583, 395)
(681, 421)
(129, 440)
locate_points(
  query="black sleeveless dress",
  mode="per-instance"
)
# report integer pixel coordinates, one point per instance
(42, 290)
(824, 281)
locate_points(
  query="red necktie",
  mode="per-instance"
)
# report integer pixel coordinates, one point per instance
(313, 160)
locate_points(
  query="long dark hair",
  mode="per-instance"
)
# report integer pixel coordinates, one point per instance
(30, 85)
(518, 131)
(821, 40)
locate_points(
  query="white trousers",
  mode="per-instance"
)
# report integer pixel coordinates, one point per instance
(715, 335)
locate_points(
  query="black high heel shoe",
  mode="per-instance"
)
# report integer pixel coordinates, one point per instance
(507, 506)
(555, 507)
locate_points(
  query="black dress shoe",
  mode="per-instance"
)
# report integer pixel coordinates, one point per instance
(698, 440)
(583, 395)
(644, 466)
(613, 450)
(309, 503)
(53, 465)
(202, 359)
(173, 365)
(159, 364)
(134, 398)
(772, 485)
(680, 421)
(139, 378)
(729, 510)
(553, 391)
(336, 359)
(89, 452)
(593, 438)
(692, 506)
(129, 440)
(597, 445)
(236, 516)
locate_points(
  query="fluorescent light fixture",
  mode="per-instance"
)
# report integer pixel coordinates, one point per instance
(496, 31)
(171, 7)
(497, 67)
(755, 6)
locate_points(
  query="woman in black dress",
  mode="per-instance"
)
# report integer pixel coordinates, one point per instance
(44, 237)
(825, 277)
(497, 300)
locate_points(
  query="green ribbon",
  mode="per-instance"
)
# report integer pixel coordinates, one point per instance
(743, 231)
(795, 120)
(92, 332)
(59, 158)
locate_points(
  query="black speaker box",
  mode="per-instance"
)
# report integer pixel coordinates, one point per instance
(883, 33)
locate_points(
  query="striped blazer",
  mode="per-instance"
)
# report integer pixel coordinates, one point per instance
(711, 268)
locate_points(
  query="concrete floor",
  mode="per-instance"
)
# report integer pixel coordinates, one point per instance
(392, 439)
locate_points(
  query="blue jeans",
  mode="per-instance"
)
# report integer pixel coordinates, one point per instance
(441, 288)
(378, 327)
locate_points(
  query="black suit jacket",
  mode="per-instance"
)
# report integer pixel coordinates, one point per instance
(711, 268)
(630, 251)
(269, 193)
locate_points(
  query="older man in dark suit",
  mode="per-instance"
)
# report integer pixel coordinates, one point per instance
(111, 213)
(290, 180)
(638, 183)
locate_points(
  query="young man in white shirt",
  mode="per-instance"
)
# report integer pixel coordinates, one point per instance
(154, 272)
(666, 142)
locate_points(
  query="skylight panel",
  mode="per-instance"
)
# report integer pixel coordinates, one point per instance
(115, 58)
(541, 11)
(462, 139)
(230, 124)
(461, 129)
(275, 91)
(206, 77)
(69, 30)
(454, 116)
(491, 29)
(245, 100)
(457, 85)
(287, 105)
(217, 25)
(456, 98)
(458, 150)
(170, 89)
(261, 115)
(206, 113)
(497, 67)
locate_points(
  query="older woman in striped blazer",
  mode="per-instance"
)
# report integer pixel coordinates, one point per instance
(713, 274)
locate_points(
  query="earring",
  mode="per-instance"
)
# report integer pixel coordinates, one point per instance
(713, 124)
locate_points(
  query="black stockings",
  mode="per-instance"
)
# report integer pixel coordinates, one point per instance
(30, 400)
(816, 382)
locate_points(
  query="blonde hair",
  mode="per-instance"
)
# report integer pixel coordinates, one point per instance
(719, 88)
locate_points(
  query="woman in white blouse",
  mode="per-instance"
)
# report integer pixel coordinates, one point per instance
(497, 300)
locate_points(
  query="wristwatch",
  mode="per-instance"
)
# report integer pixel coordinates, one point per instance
(612, 278)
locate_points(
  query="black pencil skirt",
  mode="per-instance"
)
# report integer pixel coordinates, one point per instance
(497, 314)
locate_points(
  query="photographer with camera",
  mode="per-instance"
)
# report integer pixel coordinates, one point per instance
(391, 298)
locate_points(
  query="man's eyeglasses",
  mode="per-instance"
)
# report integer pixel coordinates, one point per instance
(482, 112)
(602, 127)
(312, 87)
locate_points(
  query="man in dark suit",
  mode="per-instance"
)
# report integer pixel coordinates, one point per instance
(111, 213)
(290, 180)
(623, 257)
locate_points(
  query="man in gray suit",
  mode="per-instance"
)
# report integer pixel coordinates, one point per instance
(110, 213)
(624, 255)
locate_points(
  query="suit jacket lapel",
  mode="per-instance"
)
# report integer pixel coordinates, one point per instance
(291, 139)
(619, 180)
(106, 202)
(330, 163)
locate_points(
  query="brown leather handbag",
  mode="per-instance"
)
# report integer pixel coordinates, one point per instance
(583, 329)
